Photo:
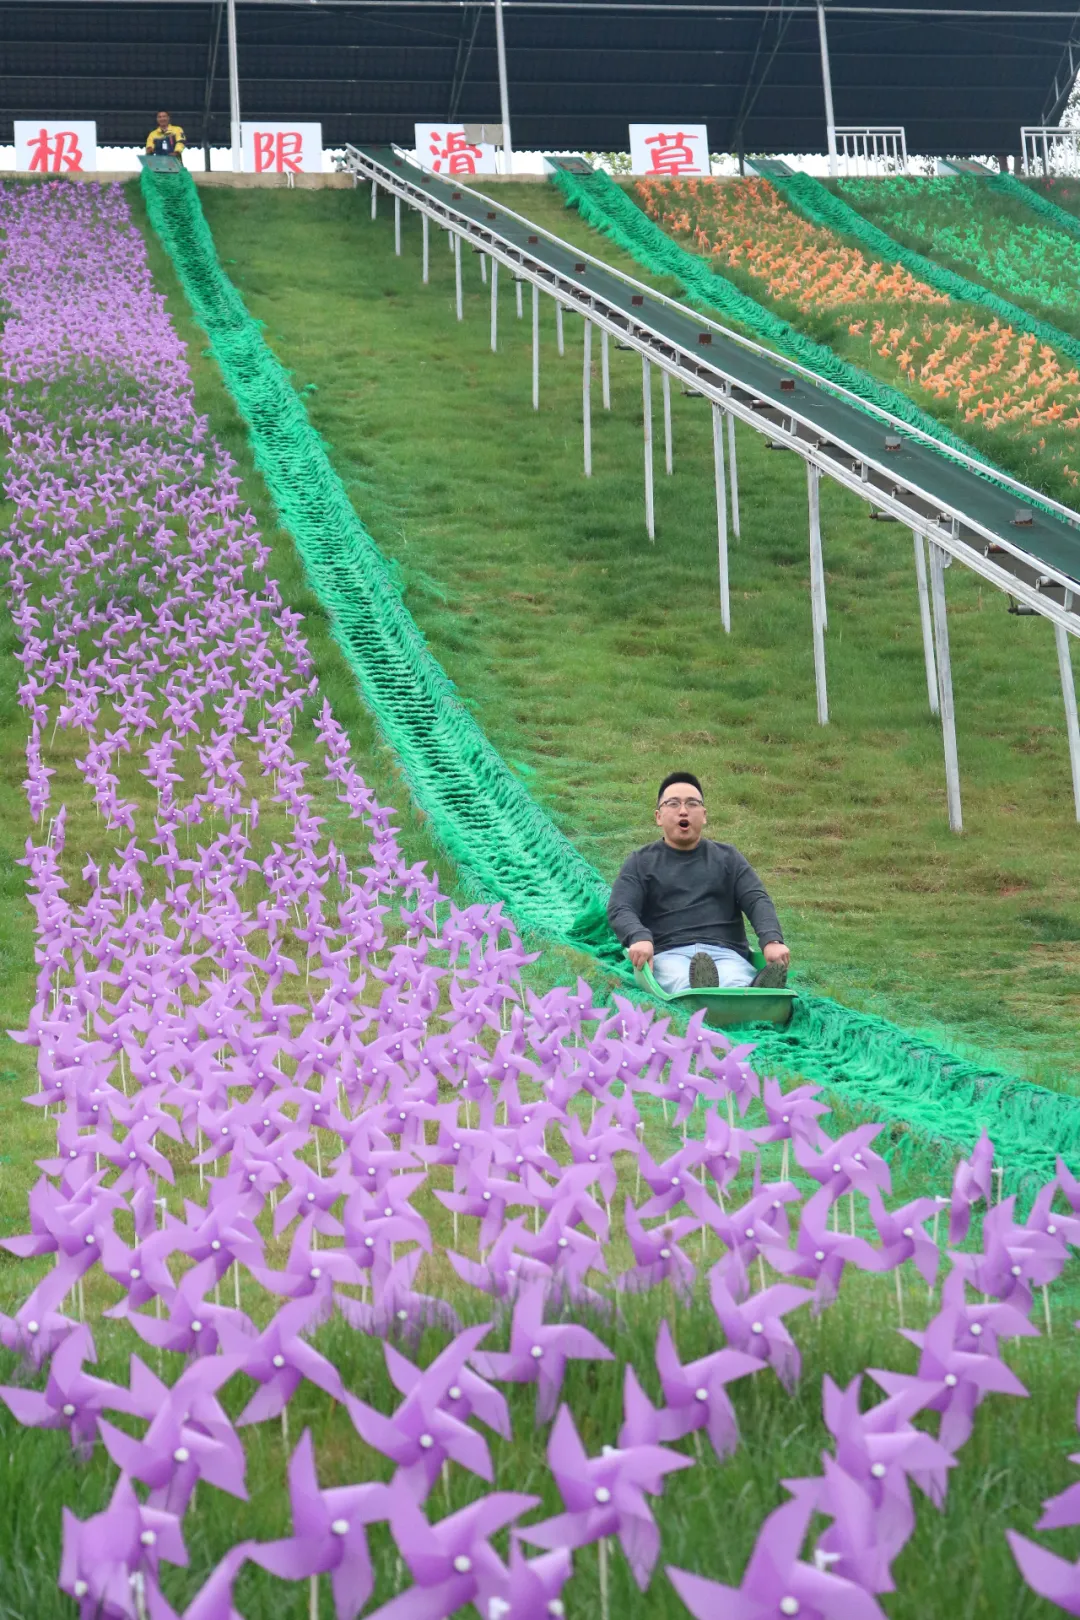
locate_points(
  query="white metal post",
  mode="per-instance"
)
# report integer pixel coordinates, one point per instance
(457, 274)
(586, 400)
(235, 136)
(425, 231)
(669, 464)
(374, 198)
(646, 398)
(817, 592)
(605, 370)
(397, 227)
(927, 624)
(504, 91)
(559, 339)
(1068, 692)
(494, 305)
(945, 691)
(733, 468)
(536, 346)
(517, 297)
(826, 80)
(483, 268)
(720, 479)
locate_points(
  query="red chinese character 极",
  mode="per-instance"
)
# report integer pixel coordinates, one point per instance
(56, 152)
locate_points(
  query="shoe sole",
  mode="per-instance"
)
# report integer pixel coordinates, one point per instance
(703, 972)
(773, 976)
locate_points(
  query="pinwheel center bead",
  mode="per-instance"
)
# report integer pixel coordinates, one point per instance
(388, 1211)
(909, 1231)
(701, 1394)
(785, 1119)
(316, 1272)
(454, 1392)
(592, 1158)
(836, 1169)
(133, 1154)
(463, 1564)
(72, 1154)
(878, 1470)
(789, 1605)
(148, 1538)
(369, 1243)
(278, 1361)
(403, 1316)
(80, 1589)
(68, 1410)
(455, 1145)
(675, 1181)
(311, 1198)
(486, 1196)
(665, 1254)
(756, 1327)
(602, 1494)
(976, 1329)
(556, 1607)
(950, 1380)
(1051, 1230)
(1016, 1271)
(562, 1243)
(196, 1326)
(215, 1245)
(537, 1351)
(89, 1237)
(134, 1273)
(750, 1231)
(427, 1441)
(181, 1454)
(819, 1254)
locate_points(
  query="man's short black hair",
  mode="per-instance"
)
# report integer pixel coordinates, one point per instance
(679, 776)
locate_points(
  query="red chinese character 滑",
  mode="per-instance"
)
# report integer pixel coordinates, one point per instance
(276, 151)
(673, 154)
(51, 153)
(455, 151)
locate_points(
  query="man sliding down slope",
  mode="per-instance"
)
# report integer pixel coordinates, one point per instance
(679, 903)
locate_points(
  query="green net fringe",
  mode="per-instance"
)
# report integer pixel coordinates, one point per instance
(606, 206)
(482, 815)
(1050, 211)
(819, 205)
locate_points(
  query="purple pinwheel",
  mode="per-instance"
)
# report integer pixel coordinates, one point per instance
(1054, 1578)
(526, 1589)
(756, 1326)
(605, 1496)
(820, 1255)
(213, 1601)
(451, 1561)
(695, 1393)
(398, 1310)
(538, 1354)
(193, 1326)
(776, 1581)
(329, 1533)
(423, 1434)
(658, 1255)
(72, 1399)
(279, 1360)
(37, 1327)
(108, 1557)
(973, 1180)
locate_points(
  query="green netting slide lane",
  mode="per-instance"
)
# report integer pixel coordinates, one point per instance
(821, 207)
(1052, 212)
(607, 208)
(482, 815)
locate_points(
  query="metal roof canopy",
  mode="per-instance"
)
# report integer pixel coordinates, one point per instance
(942, 496)
(961, 79)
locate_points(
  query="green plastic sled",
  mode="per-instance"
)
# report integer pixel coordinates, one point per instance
(725, 1008)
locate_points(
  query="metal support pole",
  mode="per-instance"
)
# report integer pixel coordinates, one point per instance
(517, 296)
(457, 274)
(605, 370)
(826, 81)
(586, 400)
(483, 268)
(927, 625)
(504, 92)
(235, 137)
(945, 691)
(211, 72)
(720, 479)
(536, 346)
(559, 339)
(1068, 692)
(669, 464)
(374, 199)
(397, 227)
(494, 306)
(425, 232)
(646, 397)
(734, 472)
(817, 592)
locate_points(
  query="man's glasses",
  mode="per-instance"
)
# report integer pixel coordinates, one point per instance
(681, 804)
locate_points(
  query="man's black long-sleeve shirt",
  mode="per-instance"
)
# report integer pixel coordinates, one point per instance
(689, 897)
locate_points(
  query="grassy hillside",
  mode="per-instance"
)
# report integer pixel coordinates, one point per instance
(596, 661)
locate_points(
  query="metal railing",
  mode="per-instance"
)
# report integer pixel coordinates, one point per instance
(865, 149)
(1048, 151)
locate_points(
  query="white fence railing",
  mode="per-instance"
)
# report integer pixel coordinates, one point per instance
(871, 149)
(1048, 150)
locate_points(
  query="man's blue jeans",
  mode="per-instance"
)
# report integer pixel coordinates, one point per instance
(671, 969)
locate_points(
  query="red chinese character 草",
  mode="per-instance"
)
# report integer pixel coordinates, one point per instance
(278, 150)
(54, 152)
(673, 154)
(456, 152)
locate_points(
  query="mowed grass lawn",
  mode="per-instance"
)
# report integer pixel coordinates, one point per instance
(595, 660)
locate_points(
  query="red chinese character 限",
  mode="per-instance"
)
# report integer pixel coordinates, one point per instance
(673, 154)
(278, 150)
(51, 153)
(455, 151)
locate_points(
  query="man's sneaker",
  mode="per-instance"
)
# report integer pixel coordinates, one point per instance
(703, 972)
(773, 976)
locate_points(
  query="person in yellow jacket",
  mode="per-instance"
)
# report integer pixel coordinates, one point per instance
(167, 139)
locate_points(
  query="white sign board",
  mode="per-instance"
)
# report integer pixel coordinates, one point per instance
(54, 147)
(282, 148)
(669, 149)
(444, 148)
